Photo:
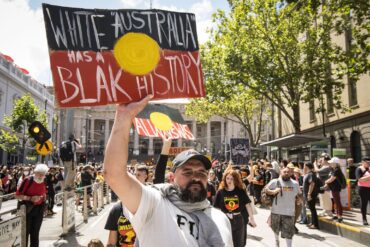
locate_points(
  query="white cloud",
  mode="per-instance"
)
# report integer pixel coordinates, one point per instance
(23, 34)
(23, 38)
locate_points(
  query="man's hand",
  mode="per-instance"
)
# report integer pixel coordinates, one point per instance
(309, 198)
(251, 222)
(35, 198)
(276, 191)
(132, 109)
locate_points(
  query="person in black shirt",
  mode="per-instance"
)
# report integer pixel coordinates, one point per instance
(310, 193)
(334, 185)
(50, 181)
(231, 198)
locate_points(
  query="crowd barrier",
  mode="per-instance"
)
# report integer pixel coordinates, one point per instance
(94, 198)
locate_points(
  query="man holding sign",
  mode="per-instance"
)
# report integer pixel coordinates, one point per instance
(180, 210)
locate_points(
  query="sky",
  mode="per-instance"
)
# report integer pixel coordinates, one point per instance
(22, 29)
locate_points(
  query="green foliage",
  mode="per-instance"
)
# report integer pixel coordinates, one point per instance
(236, 104)
(284, 51)
(24, 113)
(8, 141)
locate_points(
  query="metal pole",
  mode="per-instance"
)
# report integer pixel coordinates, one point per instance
(22, 213)
(95, 198)
(85, 213)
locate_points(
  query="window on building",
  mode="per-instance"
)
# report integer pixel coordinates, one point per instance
(329, 102)
(355, 145)
(352, 92)
(312, 111)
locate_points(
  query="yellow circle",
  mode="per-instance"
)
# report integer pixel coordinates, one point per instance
(231, 204)
(137, 53)
(46, 149)
(36, 130)
(161, 121)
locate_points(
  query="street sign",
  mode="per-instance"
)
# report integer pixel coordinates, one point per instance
(45, 148)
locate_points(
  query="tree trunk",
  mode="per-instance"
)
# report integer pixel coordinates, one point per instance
(297, 118)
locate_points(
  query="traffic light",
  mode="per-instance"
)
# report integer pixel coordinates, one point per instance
(39, 132)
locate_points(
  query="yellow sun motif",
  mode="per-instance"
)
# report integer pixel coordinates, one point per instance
(161, 121)
(137, 53)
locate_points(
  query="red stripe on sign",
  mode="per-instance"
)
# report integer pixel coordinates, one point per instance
(145, 127)
(86, 78)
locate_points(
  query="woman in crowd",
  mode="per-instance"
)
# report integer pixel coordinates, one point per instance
(363, 178)
(231, 198)
(335, 187)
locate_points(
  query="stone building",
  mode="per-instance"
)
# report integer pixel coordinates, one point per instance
(14, 83)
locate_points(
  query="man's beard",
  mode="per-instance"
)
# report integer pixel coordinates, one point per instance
(286, 178)
(188, 195)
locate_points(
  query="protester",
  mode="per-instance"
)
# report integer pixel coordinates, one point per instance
(168, 215)
(50, 181)
(363, 182)
(95, 243)
(323, 169)
(310, 192)
(351, 169)
(286, 191)
(335, 187)
(231, 198)
(32, 193)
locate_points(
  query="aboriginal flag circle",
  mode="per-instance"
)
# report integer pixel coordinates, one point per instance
(137, 53)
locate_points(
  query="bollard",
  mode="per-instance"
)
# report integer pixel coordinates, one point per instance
(85, 213)
(22, 214)
(107, 193)
(101, 195)
(95, 198)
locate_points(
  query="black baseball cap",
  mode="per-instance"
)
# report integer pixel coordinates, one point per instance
(366, 158)
(186, 155)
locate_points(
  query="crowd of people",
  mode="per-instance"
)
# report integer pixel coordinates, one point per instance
(197, 202)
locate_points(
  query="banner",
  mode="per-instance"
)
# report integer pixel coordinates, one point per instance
(101, 56)
(145, 127)
(240, 152)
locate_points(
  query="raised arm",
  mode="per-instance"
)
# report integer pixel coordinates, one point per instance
(127, 188)
(160, 169)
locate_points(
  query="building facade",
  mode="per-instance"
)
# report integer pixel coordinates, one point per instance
(14, 83)
(95, 123)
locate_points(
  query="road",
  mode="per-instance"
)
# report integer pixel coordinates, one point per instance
(262, 235)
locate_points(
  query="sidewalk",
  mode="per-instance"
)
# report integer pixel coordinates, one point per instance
(351, 228)
(51, 229)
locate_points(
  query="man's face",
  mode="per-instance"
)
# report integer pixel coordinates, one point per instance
(285, 174)
(192, 181)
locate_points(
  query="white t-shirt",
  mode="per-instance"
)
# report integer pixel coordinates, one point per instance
(157, 222)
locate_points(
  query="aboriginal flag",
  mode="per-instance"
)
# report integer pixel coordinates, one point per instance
(162, 121)
(101, 56)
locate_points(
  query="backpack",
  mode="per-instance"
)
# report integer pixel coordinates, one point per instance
(267, 199)
(65, 151)
(342, 180)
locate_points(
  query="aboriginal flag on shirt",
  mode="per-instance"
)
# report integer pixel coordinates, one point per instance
(102, 56)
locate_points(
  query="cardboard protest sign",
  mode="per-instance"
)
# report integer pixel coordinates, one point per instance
(162, 121)
(103, 57)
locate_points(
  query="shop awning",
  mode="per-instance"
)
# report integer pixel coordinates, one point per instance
(293, 140)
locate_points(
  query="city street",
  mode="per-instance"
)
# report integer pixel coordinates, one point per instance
(257, 237)
(264, 236)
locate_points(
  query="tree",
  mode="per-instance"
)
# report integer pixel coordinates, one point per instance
(238, 104)
(8, 141)
(24, 113)
(282, 51)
